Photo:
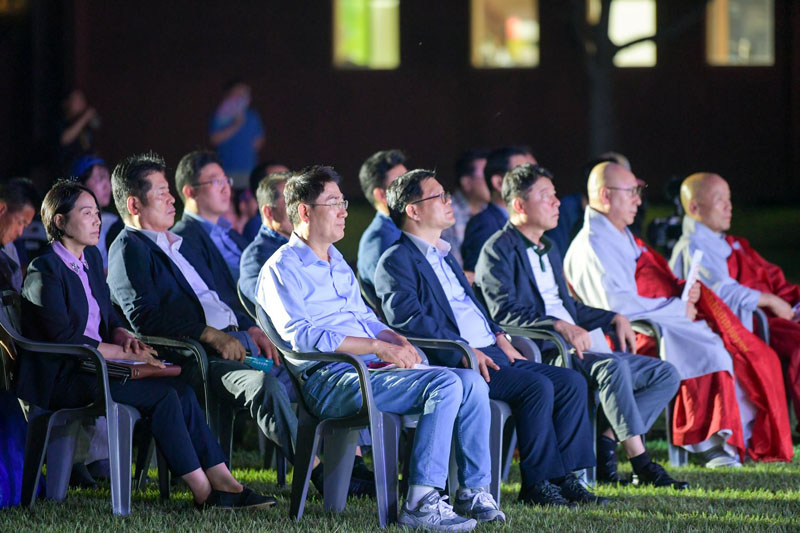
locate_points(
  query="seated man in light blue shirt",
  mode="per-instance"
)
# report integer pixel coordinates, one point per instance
(274, 233)
(312, 297)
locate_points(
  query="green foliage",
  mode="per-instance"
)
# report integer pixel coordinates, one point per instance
(757, 497)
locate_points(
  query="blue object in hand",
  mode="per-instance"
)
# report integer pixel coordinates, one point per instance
(259, 363)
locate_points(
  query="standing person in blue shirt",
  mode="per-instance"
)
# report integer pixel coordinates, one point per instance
(481, 226)
(376, 174)
(236, 132)
(312, 298)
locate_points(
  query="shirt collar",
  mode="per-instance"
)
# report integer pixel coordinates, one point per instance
(307, 255)
(271, 233)
(442, 247)
(159, 237)
(75, 263)
(541, 249)
(222, 222)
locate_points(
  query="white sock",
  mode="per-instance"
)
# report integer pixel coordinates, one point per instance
(416, 493)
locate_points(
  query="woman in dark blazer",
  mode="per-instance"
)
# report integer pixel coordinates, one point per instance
(66, 300)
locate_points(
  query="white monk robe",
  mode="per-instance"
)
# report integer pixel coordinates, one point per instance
(714, 268)
(601, 267)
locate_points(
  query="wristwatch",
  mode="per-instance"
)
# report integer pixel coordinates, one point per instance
(503, 334)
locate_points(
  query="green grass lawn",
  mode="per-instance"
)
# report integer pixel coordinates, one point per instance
(757, 497)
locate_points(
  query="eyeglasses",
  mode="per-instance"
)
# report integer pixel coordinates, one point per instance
(444, 196)
(342, 204)
(219, 182)
(636, 190)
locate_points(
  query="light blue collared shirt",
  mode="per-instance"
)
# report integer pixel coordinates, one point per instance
(313, 304)
(219, 234)
(472, 325)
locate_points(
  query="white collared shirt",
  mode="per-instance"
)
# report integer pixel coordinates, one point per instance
(218, 314)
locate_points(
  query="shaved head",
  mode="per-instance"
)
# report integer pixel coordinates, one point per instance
(612, 190)
(706, 197)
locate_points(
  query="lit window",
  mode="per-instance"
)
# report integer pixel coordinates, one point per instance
(740, 32)
(628, 20)
(505, 33)
(366, 34)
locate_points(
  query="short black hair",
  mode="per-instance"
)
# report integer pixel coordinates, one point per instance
(305, 187)
(373, 172)
(17, 193)
(518, 181)
(405, 190)
(465, 164)
(259, 172)
(267, 192)
(60, 200)
(190, 166)
(129, 179)
(498, 160)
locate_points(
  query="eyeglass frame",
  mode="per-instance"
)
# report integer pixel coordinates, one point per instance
(444, 196)
(636, 190)
(215, 182)
(341, 204)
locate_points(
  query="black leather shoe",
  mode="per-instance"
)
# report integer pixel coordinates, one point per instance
(362, 480)
(544, 493)
(607, 462)
(81, 478)
(232, 501)
(573, 490)
(654, 474)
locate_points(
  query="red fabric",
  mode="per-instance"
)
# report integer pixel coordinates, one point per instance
(747, 267)
(755, 364)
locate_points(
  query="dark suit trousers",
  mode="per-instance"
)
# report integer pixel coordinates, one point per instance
(633, 389)
(550, 408)
(176, 419)
(237, 385)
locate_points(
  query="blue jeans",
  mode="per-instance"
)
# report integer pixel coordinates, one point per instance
(448, 401)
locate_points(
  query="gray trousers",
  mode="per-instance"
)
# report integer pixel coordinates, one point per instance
(263, 395)
(633, 389)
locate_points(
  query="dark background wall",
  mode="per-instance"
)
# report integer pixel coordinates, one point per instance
(154, 71)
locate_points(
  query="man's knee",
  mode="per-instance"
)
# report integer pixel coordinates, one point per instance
(446, 387)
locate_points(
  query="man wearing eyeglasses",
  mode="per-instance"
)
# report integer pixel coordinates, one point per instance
(601, 266)
(424, 293)
(481, 226)
(312, 298)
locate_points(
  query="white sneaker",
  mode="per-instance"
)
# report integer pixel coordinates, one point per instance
(478, 504)
(435, 514)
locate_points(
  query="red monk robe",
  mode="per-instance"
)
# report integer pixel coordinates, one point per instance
(747, 267)
(755, 364)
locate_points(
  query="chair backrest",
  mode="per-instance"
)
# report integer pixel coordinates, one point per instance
(246, 303)
(370, 300)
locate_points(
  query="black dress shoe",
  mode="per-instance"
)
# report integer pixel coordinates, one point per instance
(362, 480)
(81, 478)
(654, 474)
(573, 490)
(544, 493)
(232, 501)
(607, 462)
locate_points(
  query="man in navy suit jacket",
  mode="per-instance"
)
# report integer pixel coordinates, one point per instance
(376, 174)
(274, 233)
(162, 293)
(520, 277)
(424, 293)
(481, 226)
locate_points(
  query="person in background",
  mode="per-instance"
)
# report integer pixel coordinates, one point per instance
(470, 198)
(78, 126)
(92, 171)
(260, 172)
(236, 132)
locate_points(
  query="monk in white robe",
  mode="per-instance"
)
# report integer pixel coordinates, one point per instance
(600, 265)
(742, 278)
